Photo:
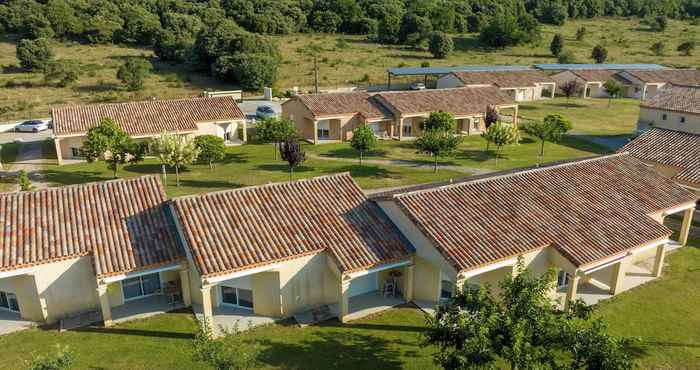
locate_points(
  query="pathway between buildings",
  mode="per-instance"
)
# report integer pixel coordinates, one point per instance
(405, 163)
(30, 158)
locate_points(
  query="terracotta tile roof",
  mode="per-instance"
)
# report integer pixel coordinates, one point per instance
(244, 228)
(588, 210)
(595, 75)
(671, 148)
(146, 117)
(121, 223)
(504, 79)
(676, 98)
(336, 104)
(674, 76)
(459, 101)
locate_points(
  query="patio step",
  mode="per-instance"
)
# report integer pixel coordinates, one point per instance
(314, 315)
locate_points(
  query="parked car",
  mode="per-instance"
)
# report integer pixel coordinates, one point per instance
(32, 126)
(417, 86)
(265, 111)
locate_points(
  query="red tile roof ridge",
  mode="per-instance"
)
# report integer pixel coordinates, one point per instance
(72, 105)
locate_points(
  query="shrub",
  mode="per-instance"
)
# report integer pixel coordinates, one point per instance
(566, 57)
(557, 44)
(64, 72)
(211, 149)
(440, 44)
(581, 33)
(686, 48)
(251, 71)
(134, 72)
(658, 48)
(599, 54)
(34, 54)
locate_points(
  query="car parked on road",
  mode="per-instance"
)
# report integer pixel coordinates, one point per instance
(32, 126)
(265, 111)
(417, 86)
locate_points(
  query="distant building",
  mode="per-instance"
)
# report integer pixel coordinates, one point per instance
(677, 107)
(522, 85)
(591, 81)
(143, 120)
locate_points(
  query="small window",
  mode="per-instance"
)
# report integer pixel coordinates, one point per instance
(8, 301)
(141, 286)
(75, 152)
(664, 116)
(562, 279)
(682, 119)
(237, 297)
(446, 289)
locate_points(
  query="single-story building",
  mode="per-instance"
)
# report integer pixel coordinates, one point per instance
(524, 85)
(143, 120)
(331, 117)
(676, 107)
(311, 248)
(644, 84)
(672, 153)
(591, 81)
(109, 248)
(591, 220)
(467, 104)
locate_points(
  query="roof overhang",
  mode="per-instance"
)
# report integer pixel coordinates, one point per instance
(241, 273)
(383, 267)
(11, 273)
(128, 275)
(677, 209)
(617, 258)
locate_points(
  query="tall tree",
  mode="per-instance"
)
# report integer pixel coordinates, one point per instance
(133, 73)
(557, 44)
(571, 88)
(551, 129)
(290, 151)
(501, 134)
(490, 118)
(523, 328)
(175, 150)
(107, 140)
(599, 54)
(363, 139)
(440, 44)
(614, 89)
(34, 55)
(274, 130)
(438, 143)
(211, 149)
(438, 121)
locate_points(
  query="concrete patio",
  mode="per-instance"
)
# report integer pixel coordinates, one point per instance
(143, 308)
(367, 304)
(11, 322)
(228, 317)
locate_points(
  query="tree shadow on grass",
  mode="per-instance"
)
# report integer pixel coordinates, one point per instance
(583, 145)
(478, 155)
(367, 171)
(76, 177)
(220, 184)
(352, 153)
(566, 105)
(328, 350)
(135, 332)
(467, 43)
(97, 88)
(233, 158)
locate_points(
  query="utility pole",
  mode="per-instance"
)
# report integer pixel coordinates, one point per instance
(315, 73)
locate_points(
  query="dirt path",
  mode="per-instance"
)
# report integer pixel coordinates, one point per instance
(30, 158)
(405, 163)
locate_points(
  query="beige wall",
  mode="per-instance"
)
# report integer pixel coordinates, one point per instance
(426, 281)
(116, 293)
(67, 143)
(307, 282)
(649, 117)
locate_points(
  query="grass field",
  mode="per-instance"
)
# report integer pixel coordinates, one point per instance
(341, 64)
(663, 314)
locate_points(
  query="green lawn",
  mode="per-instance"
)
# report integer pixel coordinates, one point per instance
(589, 116)
(472, 153)
(662, 313)
(248, 165)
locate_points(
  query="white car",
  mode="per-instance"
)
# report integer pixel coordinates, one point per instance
(32, 126)
(417, 86)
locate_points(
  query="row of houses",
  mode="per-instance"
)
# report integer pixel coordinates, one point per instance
(262, 253)
(638, 84)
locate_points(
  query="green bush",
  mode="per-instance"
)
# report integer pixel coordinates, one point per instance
(64, 72)
(34, 55)
(440, 44)
(133, 73)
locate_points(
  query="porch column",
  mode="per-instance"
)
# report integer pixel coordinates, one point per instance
(207, 307)
(459, 284)
(515, 116)
(685, 227)
(618, 276)
(244, 135)
(659, 260)
(315, 135)
(59, 156)
(571, 291)
(400, 129)
(344, 302)
(408, 284)
(554, 89)
(103, 295)
(644, 92)
(391, 130)
(185, 286)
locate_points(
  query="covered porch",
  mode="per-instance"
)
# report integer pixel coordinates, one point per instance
(11, 321)
(230, 318)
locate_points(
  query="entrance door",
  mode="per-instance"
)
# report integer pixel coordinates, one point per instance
(407, 129)
(323, 130)
(588, 92)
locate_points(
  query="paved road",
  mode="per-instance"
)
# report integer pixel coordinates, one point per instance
(10, 137)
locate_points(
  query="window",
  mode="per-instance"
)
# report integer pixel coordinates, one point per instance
(664, 116)
(562, 279)
(446, 289)
(323, 129)
(141, 286)
(476, 124)
(681, 120)
(75, 152)
(8, 301)
(407, 127)
(237, 297)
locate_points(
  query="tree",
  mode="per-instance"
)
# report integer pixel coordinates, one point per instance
(64, 72)
(658, 48)
(438, 143)
(686, 48)
(62, 360)
(107, 140)
(501, 134)
(133, 73)
(500, 32)
(614, 90)
(571, 88)
(252, 71)
(211, 148)
(599, 54)
(491, 116)
(581, 33)
(414, 29)
(275, 130)
(523, 328)
(557, 44)
(440, 44)
(363, 139)
(34, 55)
(175, 150)
(290, 151)
(438, 121)
(551, 129)
(566, 56)
(228, 352)
(24, 183)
